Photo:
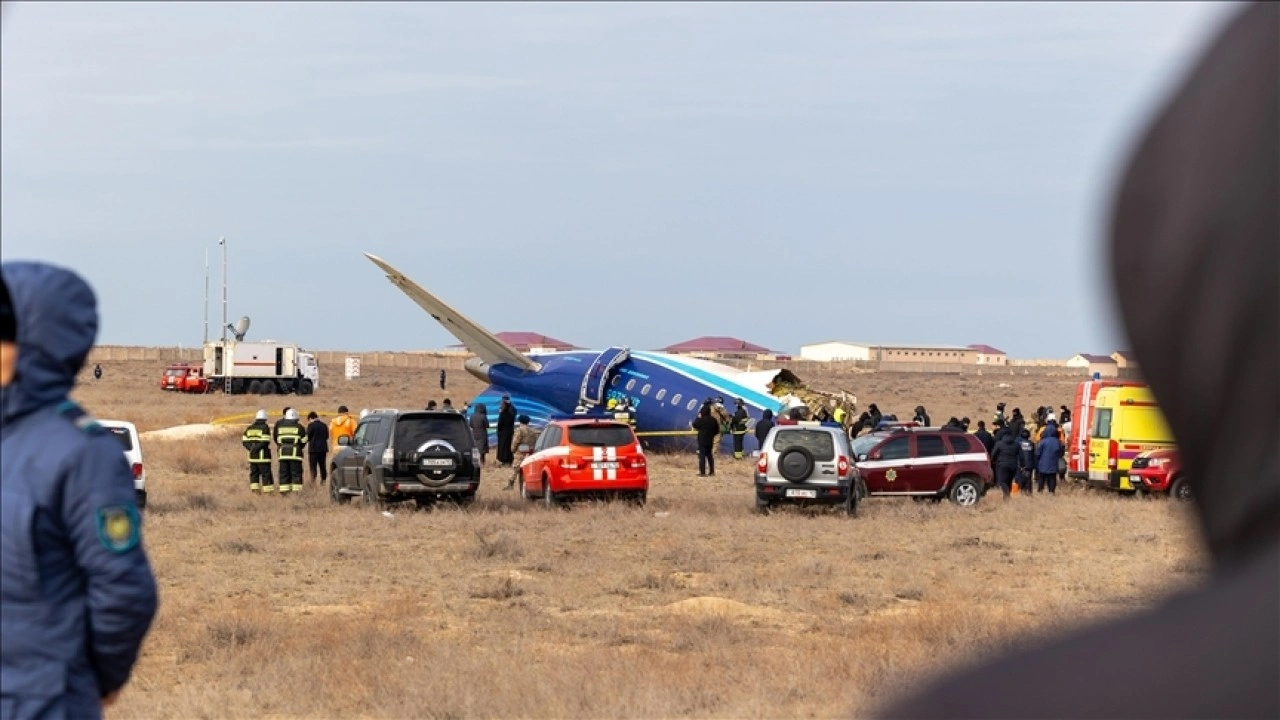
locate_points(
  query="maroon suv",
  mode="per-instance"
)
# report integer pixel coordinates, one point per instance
(923, 462)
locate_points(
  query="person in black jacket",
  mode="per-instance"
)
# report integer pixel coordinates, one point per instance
(1200, 195)
(708, 428)
(984, 437)
(506, 430)
(876, 416)
(1026, 460)
(921, 417)
(317, 447)
(1016, 423)
(762, 429)
(1004, 459)
(479, 423)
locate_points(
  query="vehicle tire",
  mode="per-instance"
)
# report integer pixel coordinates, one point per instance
(1180, 489)
(306, 387)
(965, 491)
(524, 491)
(862, 490)
(335, 494)
(640, 498)
(255, 387)
(851, 503)
(762, 506)
(796, 464)
(548, 497)
(268, 387)
(368, 497)
(142, 499)
(424, 503)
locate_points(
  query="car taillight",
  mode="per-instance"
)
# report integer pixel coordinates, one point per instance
(137, 470)
(569, 463)
(842, 465)
(637, 462)
(1113, 454)
(388, 456)
(475, 457)
(762, 463)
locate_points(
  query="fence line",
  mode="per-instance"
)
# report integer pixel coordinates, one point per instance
(453, 360)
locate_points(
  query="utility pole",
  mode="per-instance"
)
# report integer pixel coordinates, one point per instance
(206, 295)
(223, 242)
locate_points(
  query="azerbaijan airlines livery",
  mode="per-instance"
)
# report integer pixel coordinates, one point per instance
(665, 391)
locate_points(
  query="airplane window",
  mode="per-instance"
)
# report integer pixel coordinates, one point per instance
(692, 404)
(631, 384)
(645, 390)
(614, 381)
(675, 399)
(661, 394)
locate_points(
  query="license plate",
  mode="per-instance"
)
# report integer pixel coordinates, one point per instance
(438, 462)
(604, 466)
(802, 493)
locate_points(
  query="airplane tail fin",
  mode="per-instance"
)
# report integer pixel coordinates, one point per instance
(478, 340)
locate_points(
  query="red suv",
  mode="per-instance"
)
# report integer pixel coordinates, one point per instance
(585, 458)
(1160, 471)
(923, 462)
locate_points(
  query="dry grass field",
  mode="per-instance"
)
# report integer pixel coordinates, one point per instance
(692, 606)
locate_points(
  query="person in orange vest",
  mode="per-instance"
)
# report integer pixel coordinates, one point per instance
(342, 425)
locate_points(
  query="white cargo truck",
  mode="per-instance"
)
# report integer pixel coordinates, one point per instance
(259, 368)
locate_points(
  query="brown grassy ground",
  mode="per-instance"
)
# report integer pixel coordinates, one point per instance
(692, 606)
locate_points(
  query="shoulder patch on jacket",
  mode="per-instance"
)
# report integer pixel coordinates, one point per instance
(118, 527)
(83, 420)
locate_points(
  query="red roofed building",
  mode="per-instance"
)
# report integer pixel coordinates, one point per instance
(714, 347)
(987, 355)
(529, 342)
(1102, 365)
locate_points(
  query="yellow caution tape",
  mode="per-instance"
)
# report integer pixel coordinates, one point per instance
(248, 416)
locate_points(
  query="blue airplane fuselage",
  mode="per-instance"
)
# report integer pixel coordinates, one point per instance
(665, 393)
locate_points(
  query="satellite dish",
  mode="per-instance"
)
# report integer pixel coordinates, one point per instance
(240, 328)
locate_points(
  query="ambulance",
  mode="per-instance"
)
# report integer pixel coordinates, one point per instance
(1125, 422)
(1077, 441)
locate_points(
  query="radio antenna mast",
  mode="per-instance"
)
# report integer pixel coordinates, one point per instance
(223, 242)
(206, 295)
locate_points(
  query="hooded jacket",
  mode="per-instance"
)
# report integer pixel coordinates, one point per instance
(1049, 451)
(1004, 453)
(77, 594)
(479, 424)
(1195, 263)
(763, 427)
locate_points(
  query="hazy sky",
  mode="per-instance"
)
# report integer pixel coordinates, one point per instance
(602, 173)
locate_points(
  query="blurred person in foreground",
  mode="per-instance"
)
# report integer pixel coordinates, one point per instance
(77, 594)
(1194, 259)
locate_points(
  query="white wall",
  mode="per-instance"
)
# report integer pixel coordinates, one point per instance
(833, 351)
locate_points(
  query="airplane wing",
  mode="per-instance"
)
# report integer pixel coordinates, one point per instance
(483, 343)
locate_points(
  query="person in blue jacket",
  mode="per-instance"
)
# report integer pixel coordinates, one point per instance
(77, 594)
(1048, 452)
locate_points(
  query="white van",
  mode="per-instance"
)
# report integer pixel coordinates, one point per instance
(127, 434)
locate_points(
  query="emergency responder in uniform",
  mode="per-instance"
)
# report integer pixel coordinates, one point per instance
(1026, 460)
(257, 440)
(342, 426)
(522, 442)
(290, 438)
(738, 426)
(999, 416)
(721, 414)
(77, 595)
(623, 412)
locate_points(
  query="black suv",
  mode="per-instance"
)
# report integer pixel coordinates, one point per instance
(410, 455)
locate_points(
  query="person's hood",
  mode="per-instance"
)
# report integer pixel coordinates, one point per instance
(1195, 268)
(768, 415)
(1003, 433)
(1051, 431)
(57, 322)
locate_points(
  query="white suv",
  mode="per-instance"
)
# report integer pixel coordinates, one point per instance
(127, 434)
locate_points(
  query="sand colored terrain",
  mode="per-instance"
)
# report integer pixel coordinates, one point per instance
(692, 606)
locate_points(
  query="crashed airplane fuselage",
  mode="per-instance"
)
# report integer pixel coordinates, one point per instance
(665, 391)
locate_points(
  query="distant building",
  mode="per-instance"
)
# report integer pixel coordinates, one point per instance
(838, 350)
(1125, 359)
(529, 342)
(987, 355)
(721, 348)
(1103, 365)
